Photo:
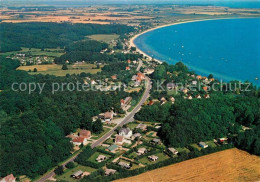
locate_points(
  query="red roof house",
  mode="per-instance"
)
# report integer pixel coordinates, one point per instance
(85, 133)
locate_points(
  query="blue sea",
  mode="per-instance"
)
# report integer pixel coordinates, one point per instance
(227, 48)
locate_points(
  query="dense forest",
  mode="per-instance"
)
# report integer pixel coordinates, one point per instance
(89, 50)
(33, 126)
(51, 35)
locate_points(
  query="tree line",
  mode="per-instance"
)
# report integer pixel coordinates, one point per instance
(51, 35)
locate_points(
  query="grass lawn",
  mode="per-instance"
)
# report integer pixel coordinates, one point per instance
(104, 37)
(134, 166)
(68, 172)
(149, 138)
(54, 69)
(132, 155)
(95, 155)
(101, 147)
(183, 150)
(130, 90)
(132, 125)
(196, 146)
(109, 141)
(36, 52)
(126, 145)
(211, 144)
(161, 157)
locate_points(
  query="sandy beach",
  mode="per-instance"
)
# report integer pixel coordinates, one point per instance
(132, 44)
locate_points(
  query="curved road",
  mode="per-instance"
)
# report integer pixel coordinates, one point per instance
(129, 116)
(127, 119)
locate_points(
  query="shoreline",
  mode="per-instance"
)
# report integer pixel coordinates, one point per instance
(132, 39)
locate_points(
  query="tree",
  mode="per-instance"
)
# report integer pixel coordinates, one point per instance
(64, 67)
(59, 170)
(97, 126)
(35, 70)
(70, 165)
(133, 48)
(210, 76)
(159, 72)
(119, 45)
(86, 122)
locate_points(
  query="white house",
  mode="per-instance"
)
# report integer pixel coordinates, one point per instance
(110, 171)
(141, 151)
(203, 145)
(101, 158)
(152, 157)
(173, 151)
(126, 132)
(124, 165)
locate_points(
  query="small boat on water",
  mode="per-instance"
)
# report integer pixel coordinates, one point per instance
(256, 78)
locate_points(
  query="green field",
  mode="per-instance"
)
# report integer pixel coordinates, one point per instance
(68, 172)
(104, 37)
(54, 69)
(36, 52)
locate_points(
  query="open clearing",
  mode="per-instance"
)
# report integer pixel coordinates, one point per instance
(229, 165)
(36, 52)
(104, 37)
(54, 69)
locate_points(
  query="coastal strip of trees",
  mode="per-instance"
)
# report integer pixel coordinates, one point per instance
(226, 113)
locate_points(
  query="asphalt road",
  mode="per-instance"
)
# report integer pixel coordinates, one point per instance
(128, 118)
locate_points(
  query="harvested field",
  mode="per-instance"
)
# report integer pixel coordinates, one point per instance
(229, 165)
